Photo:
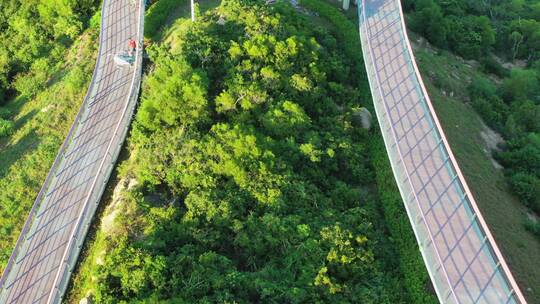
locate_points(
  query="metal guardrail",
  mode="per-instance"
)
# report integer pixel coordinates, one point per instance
(461, 256)
(52, 293)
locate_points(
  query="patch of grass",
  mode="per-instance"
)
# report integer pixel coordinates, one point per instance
(533, 225)
(164, 13)
(179, 16)
(502, 211)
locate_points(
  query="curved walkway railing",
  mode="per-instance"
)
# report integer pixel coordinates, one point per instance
(47, 249)
(460, 253)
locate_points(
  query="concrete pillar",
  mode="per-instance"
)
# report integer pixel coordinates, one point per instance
(192, 11)
(346, 4)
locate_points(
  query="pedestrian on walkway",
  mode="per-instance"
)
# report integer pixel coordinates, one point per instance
(132, 47)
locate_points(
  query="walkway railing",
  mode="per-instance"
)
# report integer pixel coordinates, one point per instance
(461, 256)
(49, 244)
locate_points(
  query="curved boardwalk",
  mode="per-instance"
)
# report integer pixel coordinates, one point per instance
(48, 247)
(460, 254)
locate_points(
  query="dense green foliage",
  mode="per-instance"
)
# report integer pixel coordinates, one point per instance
(523, 161)
(473, 29)
(248, 176)
(35, 35)
(415, 277)
(345, 31)
(514, 110)
(6, 127)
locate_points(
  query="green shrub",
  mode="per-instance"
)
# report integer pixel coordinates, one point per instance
(6, 127)
(533, 226)
(30, 83)
(346, 32)
(522, 85)
(470, 36)
(490, 65)
(4, 113)
(527, 187)
(428, 20)
(487, 103)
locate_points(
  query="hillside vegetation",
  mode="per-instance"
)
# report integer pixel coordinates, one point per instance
(247, 177)
(36, 35)
(248, 180)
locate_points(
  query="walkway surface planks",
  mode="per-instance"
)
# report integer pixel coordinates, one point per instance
(460, 253)
(47, 250)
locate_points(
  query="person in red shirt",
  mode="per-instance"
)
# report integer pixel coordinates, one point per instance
(132, 45)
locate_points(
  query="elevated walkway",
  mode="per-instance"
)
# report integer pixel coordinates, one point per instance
(460, 253)
(47, 250)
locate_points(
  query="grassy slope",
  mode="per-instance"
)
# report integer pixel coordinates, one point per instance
(502, 211)
(41, 123)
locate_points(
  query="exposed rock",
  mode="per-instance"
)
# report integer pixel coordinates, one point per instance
(86, 300)
(221, 20)
(107, 222)
(100, 257)
(47, 108)
(520, 64)
(533, 217)
(362, 118)
(132, 183)
(492, 141)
